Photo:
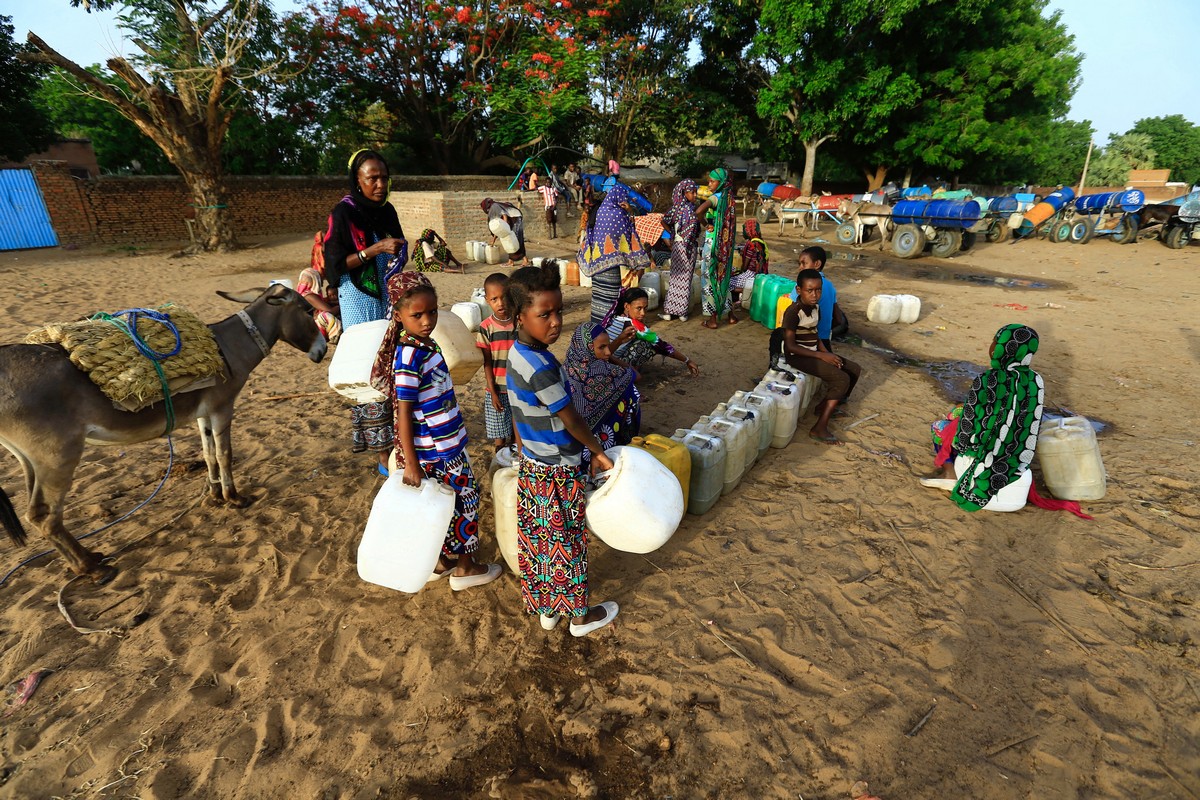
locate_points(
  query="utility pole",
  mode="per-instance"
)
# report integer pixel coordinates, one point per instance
(1086, 161)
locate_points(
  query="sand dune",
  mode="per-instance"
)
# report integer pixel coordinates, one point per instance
(784, 645)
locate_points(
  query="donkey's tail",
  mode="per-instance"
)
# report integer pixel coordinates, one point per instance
(10, 520)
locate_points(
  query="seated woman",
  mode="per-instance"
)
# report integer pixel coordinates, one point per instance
(989, 445)
(631, 347)
(756, 260)
(432, 254)
(602, 391)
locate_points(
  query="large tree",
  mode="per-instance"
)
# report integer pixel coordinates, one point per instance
(1176, 145)
(26, 128)
(947, 86)
(1123, 153)
(184, 87)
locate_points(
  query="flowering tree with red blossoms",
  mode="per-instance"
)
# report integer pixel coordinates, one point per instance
(456, 80)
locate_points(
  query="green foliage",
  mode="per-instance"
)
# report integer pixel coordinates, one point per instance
(1123, 153)
(1176, 145)
(1058, 158)
(120, 147)
(26, 127)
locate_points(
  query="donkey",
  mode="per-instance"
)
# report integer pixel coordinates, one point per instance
(49, 410)
(864, 214)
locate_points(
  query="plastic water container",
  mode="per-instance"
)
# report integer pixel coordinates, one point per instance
(753, 423)
(639, 505)
(463, 356)
(651, 298)
(697, 292)
(910, 308)
(787, 410)
(1049, 207)
(469, 313)
(806, 385)
(469, 250)
(493, 254)
(350, 367)
(1070, 458)
(708, 469)
(585, 280)
(672, 454)
(504, 508)
(883, 309)
(568, 273)
(763, 406)
(479, 298)
(651, 280)
(735, 459)
(1011, 498)
(404, 533)
(501, 230)
(782, 304)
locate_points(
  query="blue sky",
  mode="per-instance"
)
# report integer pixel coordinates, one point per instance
(1136, 63)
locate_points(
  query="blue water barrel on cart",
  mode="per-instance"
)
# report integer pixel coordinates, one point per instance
(639, 200)
(938, 213)
(1002, 205)
(766, 189)
(1130, 201)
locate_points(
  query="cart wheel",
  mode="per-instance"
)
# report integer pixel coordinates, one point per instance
(1060, 232)
(1082, 230)
(1127, 230)
(845, 233)
(908, 241)
(947, 243)
(763, 215)
(998, 231)
(968, 240)
(1178, 237)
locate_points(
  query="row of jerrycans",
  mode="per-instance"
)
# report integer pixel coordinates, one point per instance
(711, 458)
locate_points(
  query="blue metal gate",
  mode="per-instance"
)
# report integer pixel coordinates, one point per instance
(24, 220)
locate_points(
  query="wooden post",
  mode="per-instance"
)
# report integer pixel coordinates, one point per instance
(1086, 162)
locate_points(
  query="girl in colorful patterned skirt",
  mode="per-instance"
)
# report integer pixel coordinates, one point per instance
(430, 437)
(551, 538)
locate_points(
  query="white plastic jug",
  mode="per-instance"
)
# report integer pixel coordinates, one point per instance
(469, 250)
(479, 298)
(504, 506)
(1011, 498)
(910, 308)
(404, 534)
(427, 249)
(708, 469)
(469, 313)
(807, 385)
(651, 279)
(763, 406)
(492, 254)
(585, 280)
(733, 433)
(753, 425)
(884, 309)
(499, 228)
(787, 410)
(1070, 458)
(697, 292)
(639, 505)
(350, 367)
(651, 298)
(463, 357)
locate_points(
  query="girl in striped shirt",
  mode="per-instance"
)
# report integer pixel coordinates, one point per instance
(431, 440)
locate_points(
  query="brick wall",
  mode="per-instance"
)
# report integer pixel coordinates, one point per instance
(144, 209)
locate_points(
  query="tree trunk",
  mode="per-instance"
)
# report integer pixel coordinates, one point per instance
(214, 224)
(875, 179)
(810, 164)
(907, 178)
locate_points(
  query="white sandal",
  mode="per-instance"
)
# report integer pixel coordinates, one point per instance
(610, 613)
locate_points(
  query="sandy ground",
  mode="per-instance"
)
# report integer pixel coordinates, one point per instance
(785, 645)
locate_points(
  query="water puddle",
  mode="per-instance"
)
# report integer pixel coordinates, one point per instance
(954, 378)
(847, 263)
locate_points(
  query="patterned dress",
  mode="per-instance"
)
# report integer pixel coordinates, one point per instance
(681, 221)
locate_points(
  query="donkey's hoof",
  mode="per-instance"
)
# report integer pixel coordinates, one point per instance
(102, 574)
(238, 501)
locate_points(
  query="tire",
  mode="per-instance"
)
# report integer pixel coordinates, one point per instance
(908, 241)
(947, 243)
(1178, 237)
(1127, 230)
(1082, 230)
(763, 215)
(968, 240)
(1060, 231)
(998, 231)
(845, 233)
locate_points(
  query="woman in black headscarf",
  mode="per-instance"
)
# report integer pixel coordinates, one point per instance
(364, 246)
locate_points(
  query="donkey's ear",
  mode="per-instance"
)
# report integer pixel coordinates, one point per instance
(244, 297)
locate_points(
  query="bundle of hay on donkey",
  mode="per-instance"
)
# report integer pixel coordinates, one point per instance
(171, 339)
